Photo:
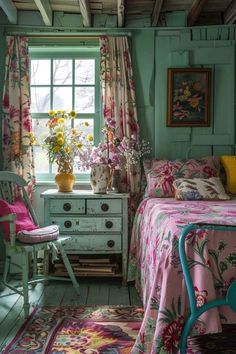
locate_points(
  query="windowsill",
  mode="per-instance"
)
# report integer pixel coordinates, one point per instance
(80, 184)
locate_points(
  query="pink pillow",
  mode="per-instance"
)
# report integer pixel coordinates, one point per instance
(23, 219)
(160, 174)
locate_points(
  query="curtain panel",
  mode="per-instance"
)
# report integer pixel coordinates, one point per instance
(16, 120)
(118, 103)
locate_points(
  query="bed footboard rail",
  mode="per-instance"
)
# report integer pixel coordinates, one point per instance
(195, 312)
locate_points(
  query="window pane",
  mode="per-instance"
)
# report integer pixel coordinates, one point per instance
(62, 72)
(40, 99)
(62, 98)
(85, 99)
(40, 72)
(81, 124)
(85, 72)
(40, 129)
(40, 160)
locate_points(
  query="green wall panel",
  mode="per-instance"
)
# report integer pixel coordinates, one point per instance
(181, 51)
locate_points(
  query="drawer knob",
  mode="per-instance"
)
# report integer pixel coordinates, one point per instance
(67, 206)
(104, 207)
(67, 224)
(110, 243)
(109, 224)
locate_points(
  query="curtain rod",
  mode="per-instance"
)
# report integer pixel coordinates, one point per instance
(90, 35)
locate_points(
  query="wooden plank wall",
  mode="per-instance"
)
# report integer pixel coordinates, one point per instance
(157, 50)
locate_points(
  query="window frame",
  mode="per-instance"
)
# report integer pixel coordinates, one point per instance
(69, 52)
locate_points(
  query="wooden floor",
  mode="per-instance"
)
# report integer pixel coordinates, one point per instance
(93, 291)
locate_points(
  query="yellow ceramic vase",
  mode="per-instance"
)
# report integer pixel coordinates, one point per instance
(65, 181)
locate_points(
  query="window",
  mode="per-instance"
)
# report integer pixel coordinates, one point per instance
(64, 78)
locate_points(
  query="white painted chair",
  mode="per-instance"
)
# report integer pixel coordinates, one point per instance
(8, 182)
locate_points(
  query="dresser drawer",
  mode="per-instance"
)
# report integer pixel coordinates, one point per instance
(80, 224)
(99, 243)
(63, 206)
(104, 206)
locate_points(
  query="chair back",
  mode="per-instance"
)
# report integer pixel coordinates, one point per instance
(11, 186)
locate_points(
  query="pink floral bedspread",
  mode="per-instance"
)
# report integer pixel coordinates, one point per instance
(155, 266)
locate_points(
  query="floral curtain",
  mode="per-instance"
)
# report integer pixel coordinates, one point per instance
(16, 120)
(118, 102)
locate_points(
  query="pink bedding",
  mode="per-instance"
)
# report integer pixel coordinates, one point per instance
(155, 266)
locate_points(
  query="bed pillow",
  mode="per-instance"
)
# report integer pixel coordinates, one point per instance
(160, 174)
(199, 189)
(23, 219)
(229, 164)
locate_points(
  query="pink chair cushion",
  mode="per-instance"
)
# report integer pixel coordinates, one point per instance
(23, 219)
(43, 234)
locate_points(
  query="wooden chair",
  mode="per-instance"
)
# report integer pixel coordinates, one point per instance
(9, 181)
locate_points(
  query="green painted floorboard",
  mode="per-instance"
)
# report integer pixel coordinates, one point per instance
(93, 291)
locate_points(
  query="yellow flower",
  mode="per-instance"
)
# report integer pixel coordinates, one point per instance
(61, 121)
(86, 124)
(32, 138)
(67, 149)
(89, 137)
(73, 131)
(194, 102)
(51, 113)
(59, 135)
(73, 114)
(183, 98)
(59, 111)
(56, 149)
(60, 141)
(187, 92)
(79, 145)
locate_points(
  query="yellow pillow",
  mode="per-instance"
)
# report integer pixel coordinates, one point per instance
(229, 164)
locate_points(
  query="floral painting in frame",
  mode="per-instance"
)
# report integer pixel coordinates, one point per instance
(188, 97)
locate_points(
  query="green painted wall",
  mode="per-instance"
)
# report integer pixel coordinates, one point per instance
(153, 51)
(156, 50)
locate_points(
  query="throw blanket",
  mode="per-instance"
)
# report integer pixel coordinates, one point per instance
(155, 266)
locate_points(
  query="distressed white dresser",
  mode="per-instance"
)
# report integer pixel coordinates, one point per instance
(98, 226)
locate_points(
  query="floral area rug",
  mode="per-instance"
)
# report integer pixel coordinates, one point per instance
(83, 329)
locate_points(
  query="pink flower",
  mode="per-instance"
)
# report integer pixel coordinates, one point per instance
(200, 296)
(27, 125)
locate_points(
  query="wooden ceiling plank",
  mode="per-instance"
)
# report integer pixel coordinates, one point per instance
(156, 12)
(121, 12)
(85, 12)
(194, 11)
(10, 10)
(230, 13)
(45, 10)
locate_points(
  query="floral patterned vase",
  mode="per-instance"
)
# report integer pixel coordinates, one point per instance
(100, 176)
(65, 179)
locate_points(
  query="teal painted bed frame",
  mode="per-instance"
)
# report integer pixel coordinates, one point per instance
(195, 312)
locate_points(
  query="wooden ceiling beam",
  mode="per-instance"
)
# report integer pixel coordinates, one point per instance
(156, 12)
(121, 12)
(230, 13)
(45, 10)
(85, 12)
(10, 10)
(194, 11)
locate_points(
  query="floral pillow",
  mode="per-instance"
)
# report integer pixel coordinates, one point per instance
(160, 174)
(199, 189)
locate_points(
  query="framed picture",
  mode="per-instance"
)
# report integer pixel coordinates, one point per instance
(188, 97)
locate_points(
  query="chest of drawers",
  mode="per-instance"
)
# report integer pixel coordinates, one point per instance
(97, 224)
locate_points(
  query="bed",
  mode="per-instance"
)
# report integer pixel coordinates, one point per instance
(155, 266)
